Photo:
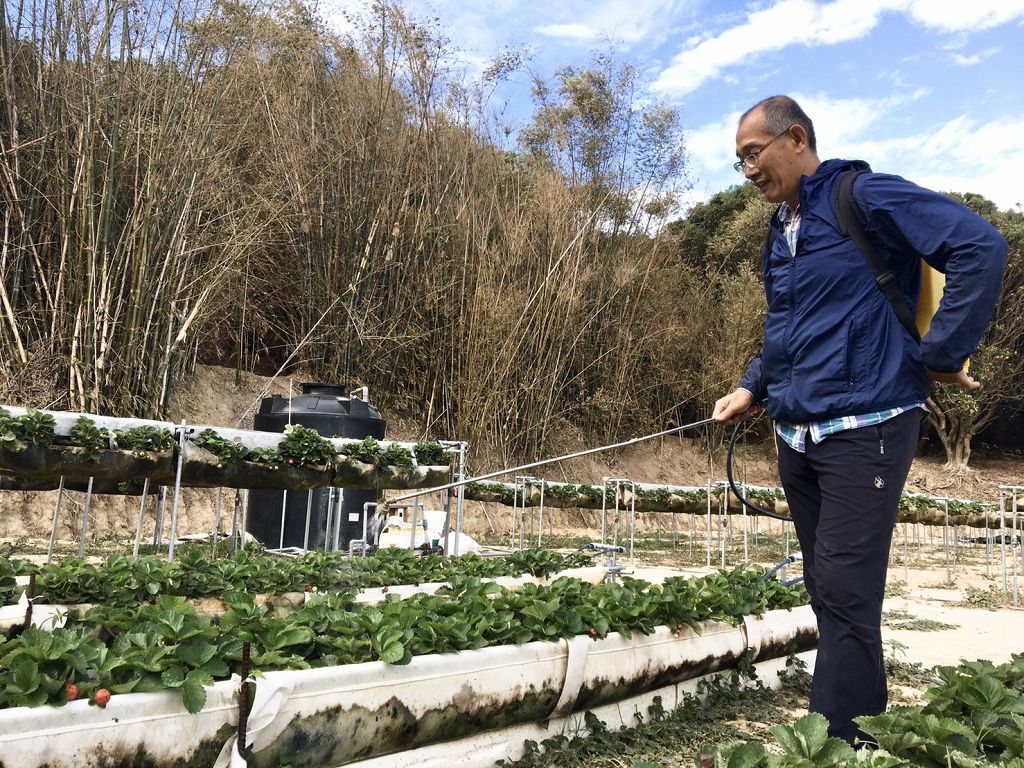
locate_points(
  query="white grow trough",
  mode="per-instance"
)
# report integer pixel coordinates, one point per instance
(342, 715)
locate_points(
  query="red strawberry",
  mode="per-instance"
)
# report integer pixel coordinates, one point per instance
(72, 691)
(101, 697)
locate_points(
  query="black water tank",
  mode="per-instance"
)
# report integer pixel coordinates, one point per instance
(329, 410)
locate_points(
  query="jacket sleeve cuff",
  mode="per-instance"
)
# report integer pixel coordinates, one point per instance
(753, 381)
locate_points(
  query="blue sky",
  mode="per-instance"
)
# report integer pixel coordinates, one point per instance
(932, 90)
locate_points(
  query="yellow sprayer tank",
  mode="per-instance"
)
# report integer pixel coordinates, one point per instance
(932, 283)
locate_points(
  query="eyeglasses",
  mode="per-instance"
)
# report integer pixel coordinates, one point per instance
(750, 161)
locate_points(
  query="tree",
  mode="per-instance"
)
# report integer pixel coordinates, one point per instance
(707, 220)
(630, 161)
(955, 415)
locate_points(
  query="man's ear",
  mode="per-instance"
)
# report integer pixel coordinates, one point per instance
(799, 135)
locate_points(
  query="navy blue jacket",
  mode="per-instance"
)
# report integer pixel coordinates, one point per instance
(832, 344)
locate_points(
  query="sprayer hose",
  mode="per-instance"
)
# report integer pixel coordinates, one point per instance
(757, 510)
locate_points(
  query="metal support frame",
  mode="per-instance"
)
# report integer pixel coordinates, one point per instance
(216, 522)
(284, 513)
(56, 519)
(85, 518)
(142, 514)
(1010, 493)
(183, 433)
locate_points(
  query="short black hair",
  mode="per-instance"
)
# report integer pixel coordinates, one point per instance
(782, 112)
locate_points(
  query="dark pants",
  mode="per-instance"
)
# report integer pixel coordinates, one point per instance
(843, 495)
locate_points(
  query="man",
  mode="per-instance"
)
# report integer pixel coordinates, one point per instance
(844, 381)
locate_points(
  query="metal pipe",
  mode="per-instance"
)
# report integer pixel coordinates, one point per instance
(366, 522)
(1020, 541)
(1002, 542)
(284, 510)
(693, 535)
(542, 462)
(604, 511)
(945, 539)
(707, 538)
(540, 520)
(182, 438)
(309, 514)
(142, 513)
(723, 514)
(329, 523)
(988, 547)
(234, 521)
(412, 527)
(447, 529)
(515, 515)
(746, 521)
(632, 519)
(245, 519)
(216, 522)
(158, 526)
(85, 518)
(56, 518)
(906, 556)
(339, 504)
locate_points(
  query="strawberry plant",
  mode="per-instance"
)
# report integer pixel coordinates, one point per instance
(396, 455)
(431, 454)
(33, 428)
(303, 446)
(36, 666)
(144, 439)
(974, 718)
(7, 436)
(225, 450)
(121, 580)
(476, 489)
(85, 434)
(166, 644)
(9, 589)
(367, 451)
(268, 456)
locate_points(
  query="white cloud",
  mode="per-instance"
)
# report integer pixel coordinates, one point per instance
(575, 31)
(961, 16)
(969, 61)
(961, 154)
(625, 21)
(839, 125)
(786, 23)
(804, 22)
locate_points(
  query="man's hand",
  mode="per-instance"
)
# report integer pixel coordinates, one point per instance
(960, 379)
(734, 407)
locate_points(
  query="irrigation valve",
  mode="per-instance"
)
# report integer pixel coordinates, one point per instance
(614, 568)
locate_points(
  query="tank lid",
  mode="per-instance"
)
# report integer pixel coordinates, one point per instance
(322, 388)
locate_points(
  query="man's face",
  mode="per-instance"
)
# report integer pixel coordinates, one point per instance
(777, 173)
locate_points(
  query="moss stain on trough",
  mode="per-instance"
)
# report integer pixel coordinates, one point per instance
(203, 756)
(339, 735)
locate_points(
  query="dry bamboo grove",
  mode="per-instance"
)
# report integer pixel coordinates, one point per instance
(241, 185)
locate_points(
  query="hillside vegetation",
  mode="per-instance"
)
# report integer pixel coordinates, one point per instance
(239, 185)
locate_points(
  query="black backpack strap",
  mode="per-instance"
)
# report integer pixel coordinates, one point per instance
(850, 223)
